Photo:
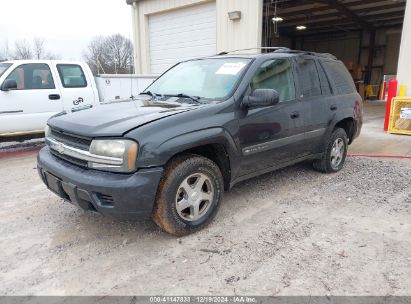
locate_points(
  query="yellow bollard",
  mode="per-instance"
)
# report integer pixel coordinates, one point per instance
(403, 89)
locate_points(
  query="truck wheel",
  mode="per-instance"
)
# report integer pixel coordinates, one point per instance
(333, 158)
(189, 195)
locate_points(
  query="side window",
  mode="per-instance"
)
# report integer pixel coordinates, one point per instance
(343, 81)
(325, 83)
(308, 76)
(72, 76)
(33, 76)
(275, 74)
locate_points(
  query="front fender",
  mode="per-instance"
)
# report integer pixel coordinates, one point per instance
(160, 154)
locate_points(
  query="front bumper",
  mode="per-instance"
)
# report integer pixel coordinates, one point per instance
(126, 196)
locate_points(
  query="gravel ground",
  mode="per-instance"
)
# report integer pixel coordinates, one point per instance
(291, 232)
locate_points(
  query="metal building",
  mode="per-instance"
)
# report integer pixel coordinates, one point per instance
(361, 32)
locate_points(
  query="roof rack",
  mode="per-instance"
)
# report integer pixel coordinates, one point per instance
(283, 50)
(250, 49)
(323, 55)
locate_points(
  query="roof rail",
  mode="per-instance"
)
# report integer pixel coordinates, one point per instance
(323, 55)
(283, 50)
(274, 49)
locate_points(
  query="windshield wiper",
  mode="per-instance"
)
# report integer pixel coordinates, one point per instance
(196, 99)
(154, 95)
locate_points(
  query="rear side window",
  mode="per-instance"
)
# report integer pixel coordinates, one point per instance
(309, 80)
(72, 76)
(325, 83)
(33, 76)
(340, 76)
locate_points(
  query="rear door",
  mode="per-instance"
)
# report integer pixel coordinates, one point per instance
(34, 101)
(272, 135)
(314, 95)
(76, 85)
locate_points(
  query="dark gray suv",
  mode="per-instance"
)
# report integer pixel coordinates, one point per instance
(199, 129)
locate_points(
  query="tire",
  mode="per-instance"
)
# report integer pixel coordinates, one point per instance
(189, 195)
(330, 162)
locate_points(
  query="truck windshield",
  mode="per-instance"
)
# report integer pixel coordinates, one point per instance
(4, 67)
(212, 78)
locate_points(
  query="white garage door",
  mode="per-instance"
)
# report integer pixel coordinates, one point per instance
(182, 34)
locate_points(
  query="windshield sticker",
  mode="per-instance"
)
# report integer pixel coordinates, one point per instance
(231, 68)
(405, 113)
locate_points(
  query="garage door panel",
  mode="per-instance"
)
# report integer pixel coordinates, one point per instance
(175, 55)
(204, 25)
(183, 37)
(189, 46)
(193, 12)
(182, 34)
(158, 25)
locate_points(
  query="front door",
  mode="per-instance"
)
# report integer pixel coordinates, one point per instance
(35, 100)
(75, 89)
(272, 135)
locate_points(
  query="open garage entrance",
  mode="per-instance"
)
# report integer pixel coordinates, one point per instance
(364, 34)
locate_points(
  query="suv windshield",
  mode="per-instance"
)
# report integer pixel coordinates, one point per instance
(205, 78)
(4, 67)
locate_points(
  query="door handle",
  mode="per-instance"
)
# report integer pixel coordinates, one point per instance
(54, 96)
(295, 115)
(333, 108)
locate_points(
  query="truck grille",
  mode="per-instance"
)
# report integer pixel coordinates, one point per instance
(74, 161)
(71, 140)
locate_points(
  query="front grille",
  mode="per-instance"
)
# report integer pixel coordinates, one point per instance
(75, 161)
(71, 140)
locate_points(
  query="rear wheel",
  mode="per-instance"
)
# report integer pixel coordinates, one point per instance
(333, 158)
(189, 195)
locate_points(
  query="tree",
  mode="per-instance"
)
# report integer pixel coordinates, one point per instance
(110, 55)
(5, 52)
(38, 48)
(22, 50)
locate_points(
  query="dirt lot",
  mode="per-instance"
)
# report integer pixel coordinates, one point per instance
(292, 232)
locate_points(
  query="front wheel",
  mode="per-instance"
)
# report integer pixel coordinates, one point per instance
(189, 195)
(333, 158)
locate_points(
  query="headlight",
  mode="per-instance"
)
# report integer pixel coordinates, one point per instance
(47, 131)
(122, 153)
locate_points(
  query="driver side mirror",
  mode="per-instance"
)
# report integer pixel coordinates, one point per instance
(9, 84)
(261, 98)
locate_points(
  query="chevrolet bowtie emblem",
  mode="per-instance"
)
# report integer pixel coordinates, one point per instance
(60, 148)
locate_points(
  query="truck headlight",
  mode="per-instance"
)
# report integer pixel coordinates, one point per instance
(117, 155)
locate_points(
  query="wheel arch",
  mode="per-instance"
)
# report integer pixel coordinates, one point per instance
(348, 124)
(215, 144)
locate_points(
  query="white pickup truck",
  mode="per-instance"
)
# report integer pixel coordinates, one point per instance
(31, 91)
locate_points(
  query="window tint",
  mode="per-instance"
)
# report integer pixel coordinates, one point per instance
(34, 76)
(340, 76)
(308, 76)
(325, 84)
(275, 74)
(72, 76)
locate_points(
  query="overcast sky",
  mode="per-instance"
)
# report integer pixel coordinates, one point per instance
(66, 25)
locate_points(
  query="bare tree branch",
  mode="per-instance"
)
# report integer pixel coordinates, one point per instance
(110, 55)
(22, 50)
(5, 53)
(38, 48)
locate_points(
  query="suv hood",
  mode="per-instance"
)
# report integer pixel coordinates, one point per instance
(118, 117)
